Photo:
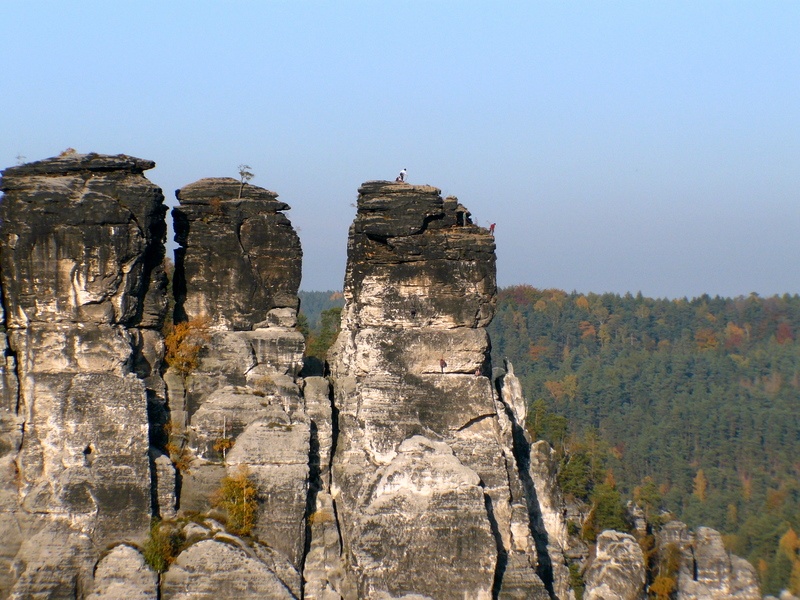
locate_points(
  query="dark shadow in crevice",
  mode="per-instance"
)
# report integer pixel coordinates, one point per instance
(522, 453)
(502, 555)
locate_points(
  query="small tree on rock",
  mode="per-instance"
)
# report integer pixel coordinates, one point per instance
(245, 175)
(238, 496)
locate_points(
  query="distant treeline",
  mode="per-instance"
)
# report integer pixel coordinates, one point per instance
(699, 397)
(313, 303)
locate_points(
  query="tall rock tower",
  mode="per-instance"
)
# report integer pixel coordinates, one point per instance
(83, 290)
(239, 408)
(424, 478)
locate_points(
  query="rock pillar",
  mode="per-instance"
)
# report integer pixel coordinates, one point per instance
(240, 407)
(81, 251)
(424, 477)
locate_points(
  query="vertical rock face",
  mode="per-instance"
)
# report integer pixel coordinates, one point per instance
(241, 407)
(424, 476)
(707, 570)
(81, 248)
(240, 255)
(617, 570)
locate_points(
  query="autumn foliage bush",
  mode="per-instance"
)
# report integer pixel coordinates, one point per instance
(238, 497)
(184, 341)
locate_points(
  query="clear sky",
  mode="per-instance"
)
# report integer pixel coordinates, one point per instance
(619, 146)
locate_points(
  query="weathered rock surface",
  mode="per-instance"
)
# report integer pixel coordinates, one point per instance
(543, 469)
(122, 573)
(238, 270)
(708, 570)
(220, 568)
(81, 251)
(420, 435)
(412, 477)
(617, 571)
(240, 255)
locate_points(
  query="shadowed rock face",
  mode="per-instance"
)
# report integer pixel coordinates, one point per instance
(424, 476)
(239, 258)
(81, 249)
(239, 269)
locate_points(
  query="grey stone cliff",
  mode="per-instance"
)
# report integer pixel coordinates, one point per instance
(405, 474)
(81, 248)
(237, 273)
(424, 477)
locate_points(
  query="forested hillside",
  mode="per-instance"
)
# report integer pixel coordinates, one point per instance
(312, 304)
(700, 397)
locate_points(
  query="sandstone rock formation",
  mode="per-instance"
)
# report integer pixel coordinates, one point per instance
(618, 569)
(424, 477)
(709, 571)
(237, 274)
(239, 256)
(412, 477)
(81, 248)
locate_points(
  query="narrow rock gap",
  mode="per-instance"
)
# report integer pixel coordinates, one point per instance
(502, 555)
(522, 451)
(334, 429)
(314, 487)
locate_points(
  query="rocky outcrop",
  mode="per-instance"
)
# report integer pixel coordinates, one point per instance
(707, 570)
(424, 475)
(618, 569)
(240, 407)
(239, 255)
(543, 469)
(81, 249)
(413, 477)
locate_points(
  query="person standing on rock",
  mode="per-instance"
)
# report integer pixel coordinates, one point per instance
(442, 364)
(402, 177)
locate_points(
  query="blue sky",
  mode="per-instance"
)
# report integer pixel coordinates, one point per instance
(619, 146)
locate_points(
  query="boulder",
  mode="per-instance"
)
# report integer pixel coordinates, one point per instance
(122, 573)
(617, 571)
(221, 568)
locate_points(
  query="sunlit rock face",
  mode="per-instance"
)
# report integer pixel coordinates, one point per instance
(707, 569)
(81, 251)
(424, 476)
(241, 407)
(617, 570)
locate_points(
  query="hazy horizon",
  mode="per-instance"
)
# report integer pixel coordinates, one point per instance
(625, 147)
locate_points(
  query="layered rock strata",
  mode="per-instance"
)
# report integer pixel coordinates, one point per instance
(424, 477)
(414, 479)
(239, 409)
(81, 249)
(707, 570)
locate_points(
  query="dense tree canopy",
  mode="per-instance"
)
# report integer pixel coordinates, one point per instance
(698, 399)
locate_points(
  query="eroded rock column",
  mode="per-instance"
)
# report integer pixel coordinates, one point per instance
(424, 478)
(81, 249)
(240, 408)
